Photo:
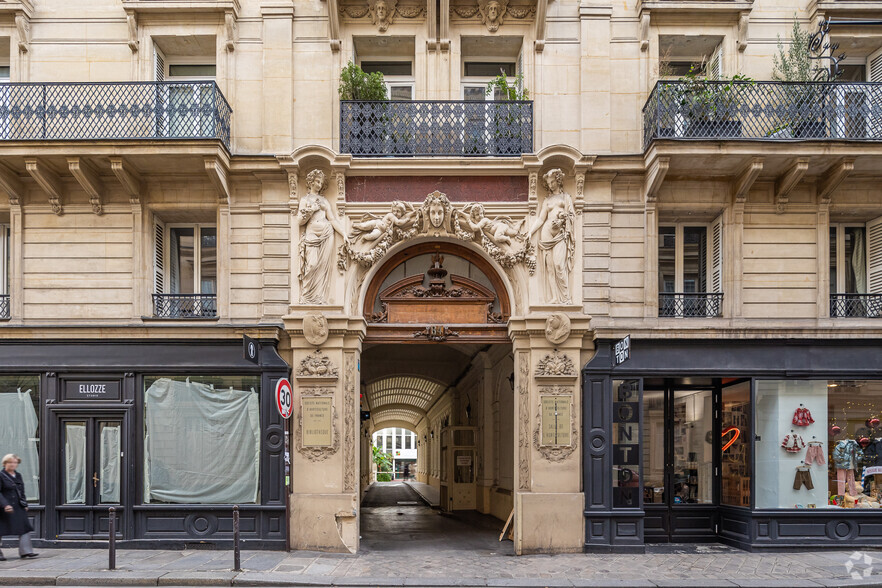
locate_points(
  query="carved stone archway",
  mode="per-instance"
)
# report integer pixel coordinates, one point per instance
(436, 305)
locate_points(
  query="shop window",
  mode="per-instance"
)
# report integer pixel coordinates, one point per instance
(856, 269)
(185, 270)
(735, 445)
(626, 444)
(690, 270)
(202, 440)
(818, 444)
(20, 427)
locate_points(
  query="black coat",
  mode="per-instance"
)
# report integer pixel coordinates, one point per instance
(12, 493)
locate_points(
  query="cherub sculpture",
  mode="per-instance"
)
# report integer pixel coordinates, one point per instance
(400, 216)
(499, 230)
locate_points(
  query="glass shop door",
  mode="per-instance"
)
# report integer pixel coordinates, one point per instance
(91, 467)
(680, 469)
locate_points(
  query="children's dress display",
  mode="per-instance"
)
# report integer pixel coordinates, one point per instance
(793, 443)
(802, 417)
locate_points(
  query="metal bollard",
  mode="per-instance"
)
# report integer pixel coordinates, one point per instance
(112, 539)
(237, 557)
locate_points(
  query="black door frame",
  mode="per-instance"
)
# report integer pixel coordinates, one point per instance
(685, 522)
(98, 514)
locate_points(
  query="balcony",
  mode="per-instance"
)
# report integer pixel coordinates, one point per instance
(4, 306)
(130, 110)
(856, 305)
(185, 306)
(436, 128)
(690, 304)
(763, 111)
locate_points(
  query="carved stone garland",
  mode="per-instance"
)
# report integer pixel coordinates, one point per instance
(317, 453)
(556, 364)
(349, 422)
(556, 453)
(524, 420)
(501, 237)
(317, 365)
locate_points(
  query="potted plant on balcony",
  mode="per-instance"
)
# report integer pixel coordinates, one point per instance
(365, 122)
(508, 128)
(800, 102)
(711, 107)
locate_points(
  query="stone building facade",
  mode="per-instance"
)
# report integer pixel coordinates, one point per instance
(176, 175)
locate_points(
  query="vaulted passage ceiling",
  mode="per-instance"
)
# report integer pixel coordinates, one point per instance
(402, 382)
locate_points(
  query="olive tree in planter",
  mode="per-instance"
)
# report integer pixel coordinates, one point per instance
(508, 119)
(712, 107)
(799, 101)
(366, 127)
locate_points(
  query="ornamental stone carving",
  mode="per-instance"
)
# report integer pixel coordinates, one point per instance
(492, 13)
(317, 453)
(315, 328)
(556, 244)
(382, 12)
(501, 237)
(556, 453)
(525, 481)
(556, 364)
(317, 365)
(318, 222)
(557, 328)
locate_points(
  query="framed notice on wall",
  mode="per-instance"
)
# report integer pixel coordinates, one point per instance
(556, 420)
(317, 415)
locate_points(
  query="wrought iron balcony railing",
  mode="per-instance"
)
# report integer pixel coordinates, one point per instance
(690, 304)
(856, 305)
(767, 111)
(4, 306)
(185, 306)
(128, 110)
(433, 128)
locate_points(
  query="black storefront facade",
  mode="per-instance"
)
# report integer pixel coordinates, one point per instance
(753, 443)
(155, 429)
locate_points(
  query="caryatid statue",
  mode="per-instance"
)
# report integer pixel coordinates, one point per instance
(556, 247)
(318, 222)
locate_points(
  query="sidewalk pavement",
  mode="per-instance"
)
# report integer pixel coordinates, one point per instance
(430, 494)
(706, 566)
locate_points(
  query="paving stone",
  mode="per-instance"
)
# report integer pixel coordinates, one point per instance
(528, 582)
(693, 582)
(28, 578)
(277, 579)
(611, 583)
(107, 578)
(770, 583)
(197, 579)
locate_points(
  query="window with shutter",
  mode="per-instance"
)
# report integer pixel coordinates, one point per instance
(158, 65)
(715, 64)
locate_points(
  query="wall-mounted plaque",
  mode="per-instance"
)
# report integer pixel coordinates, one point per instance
(556, 415)
(91, 390)
(317, 418)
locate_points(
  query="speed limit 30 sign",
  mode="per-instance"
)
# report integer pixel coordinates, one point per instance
(284, 398)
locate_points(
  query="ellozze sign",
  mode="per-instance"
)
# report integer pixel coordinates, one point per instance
(91, 390)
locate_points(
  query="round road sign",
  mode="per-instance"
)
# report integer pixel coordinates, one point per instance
(284, 398)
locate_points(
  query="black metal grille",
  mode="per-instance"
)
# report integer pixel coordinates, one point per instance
(690, 305)
(4, 306)
(856, 305)
(182, 306)
(436, 128)
(128, 110)
(771, 111)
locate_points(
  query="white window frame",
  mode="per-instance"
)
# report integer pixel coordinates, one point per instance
(714, 250)
(395, 81)
(197, 255)
(4, 258)
(161, 74)
(839, 244)
(5, 98)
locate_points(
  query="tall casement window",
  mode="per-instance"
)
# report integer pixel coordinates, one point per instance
(856, 269)
(690, 270)
(185, 107)
(185, 270)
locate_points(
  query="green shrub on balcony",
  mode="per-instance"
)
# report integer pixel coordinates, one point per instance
(507, 118)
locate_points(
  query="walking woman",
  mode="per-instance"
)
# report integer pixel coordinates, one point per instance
(13, 507)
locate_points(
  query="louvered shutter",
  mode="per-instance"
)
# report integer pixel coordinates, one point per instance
(159, 258)
(715, 64)
(161, 114)
(716, 255)
(874, 257)
(874, 74)
(158, 65)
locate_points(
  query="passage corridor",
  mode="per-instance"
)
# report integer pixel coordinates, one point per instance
(395, 518)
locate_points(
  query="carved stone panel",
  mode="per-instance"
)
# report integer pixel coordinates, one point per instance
(315, 431)
(317, 365)
(556, 435)
(556, 364)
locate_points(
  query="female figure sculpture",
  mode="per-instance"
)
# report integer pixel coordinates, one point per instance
(317, 241)
(557, 240)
